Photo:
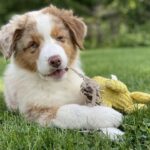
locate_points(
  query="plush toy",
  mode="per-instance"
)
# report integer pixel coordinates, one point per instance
(115, 93)
(112, 93)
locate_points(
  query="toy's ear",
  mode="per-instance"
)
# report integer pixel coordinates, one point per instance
(77, 29)
(9, 35)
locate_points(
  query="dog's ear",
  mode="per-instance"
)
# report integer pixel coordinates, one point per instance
(77, 29)
(9, 35)
(8, 38)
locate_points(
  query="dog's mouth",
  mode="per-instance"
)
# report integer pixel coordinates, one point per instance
(57, 74)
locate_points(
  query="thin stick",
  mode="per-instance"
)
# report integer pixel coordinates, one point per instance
(87, 82)
(80, 75)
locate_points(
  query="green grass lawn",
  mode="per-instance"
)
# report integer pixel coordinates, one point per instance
(131, 65)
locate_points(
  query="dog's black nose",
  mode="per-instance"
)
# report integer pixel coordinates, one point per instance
(55, 61)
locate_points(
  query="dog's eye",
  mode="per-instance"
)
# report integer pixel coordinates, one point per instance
(60, 38)
(33, 45)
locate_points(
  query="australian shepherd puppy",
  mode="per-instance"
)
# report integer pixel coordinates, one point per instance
(41, 45)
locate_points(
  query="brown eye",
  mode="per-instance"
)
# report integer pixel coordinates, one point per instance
(60, 38)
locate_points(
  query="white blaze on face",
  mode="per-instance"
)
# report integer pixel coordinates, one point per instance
(49, 47)
(49, 50)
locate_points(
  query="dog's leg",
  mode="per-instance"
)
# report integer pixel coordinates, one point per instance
(112, 133)
(10, 100)
(75, 116)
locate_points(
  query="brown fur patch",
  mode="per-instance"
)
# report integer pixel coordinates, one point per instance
(26, 55)
(27, 59)
(75, 25)
(70, 51)
(46, 113)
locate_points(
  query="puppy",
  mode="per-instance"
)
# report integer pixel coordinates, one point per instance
(41, 45)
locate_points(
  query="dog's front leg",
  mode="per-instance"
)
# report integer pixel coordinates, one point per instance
(73, 116)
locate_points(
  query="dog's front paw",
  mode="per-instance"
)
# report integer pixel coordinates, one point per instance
(113, 133)
(115, 118)
(105, 117)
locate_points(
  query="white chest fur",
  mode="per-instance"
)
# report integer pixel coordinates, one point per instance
(27, 88)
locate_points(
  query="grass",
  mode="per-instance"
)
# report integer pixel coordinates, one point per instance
(132, 66)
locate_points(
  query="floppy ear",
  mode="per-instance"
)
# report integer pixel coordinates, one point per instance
(9, 35)
(77, 28)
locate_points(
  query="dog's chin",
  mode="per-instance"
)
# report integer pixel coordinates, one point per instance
(57, 74)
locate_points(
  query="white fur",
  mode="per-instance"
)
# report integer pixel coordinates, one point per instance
(112, 132)
(24, 89)
(80, 117)
(47, 51)
(28, 88)
(49, 48)
(44, 25)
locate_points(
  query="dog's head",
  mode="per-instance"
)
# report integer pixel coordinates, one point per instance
(44, 41)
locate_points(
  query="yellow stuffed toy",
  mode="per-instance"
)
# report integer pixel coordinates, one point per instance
(114, 93)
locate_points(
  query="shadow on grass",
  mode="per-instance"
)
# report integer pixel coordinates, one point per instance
(3, 107)
(6, 115)
(2, 103)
